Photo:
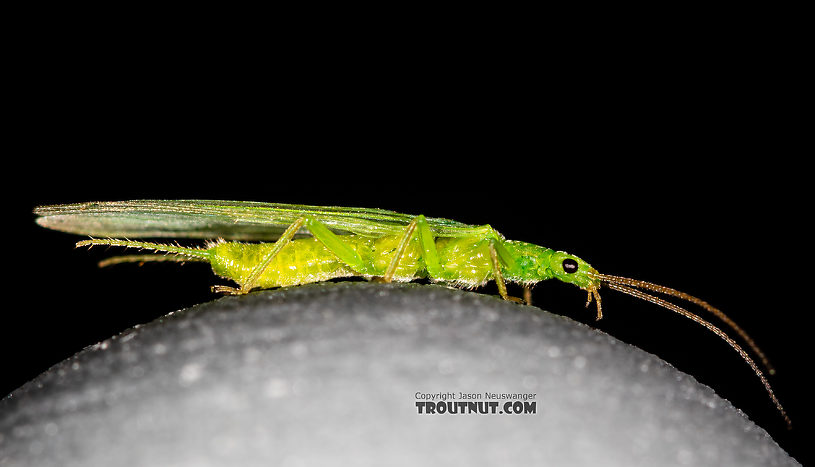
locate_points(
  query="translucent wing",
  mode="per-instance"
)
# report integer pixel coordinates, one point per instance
(235, 220)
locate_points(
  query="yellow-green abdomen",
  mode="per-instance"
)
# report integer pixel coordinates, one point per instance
(307, 260)
(300, 262)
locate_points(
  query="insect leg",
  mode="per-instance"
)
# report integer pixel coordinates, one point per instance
(284, 239)
(340, 249)
(328, 238)
(400, 250)
(496, 270)
(427, 243)
(503, 254)
(528, 294)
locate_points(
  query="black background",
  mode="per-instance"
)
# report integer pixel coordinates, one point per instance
(670, 159)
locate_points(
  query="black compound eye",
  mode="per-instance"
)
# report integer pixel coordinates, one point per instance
(569, 265)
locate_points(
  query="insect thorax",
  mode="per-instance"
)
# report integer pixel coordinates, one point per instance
(532, 262)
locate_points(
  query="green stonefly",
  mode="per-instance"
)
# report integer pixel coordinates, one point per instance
(297, 244)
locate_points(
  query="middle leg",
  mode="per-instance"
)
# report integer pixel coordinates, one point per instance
(418, 226)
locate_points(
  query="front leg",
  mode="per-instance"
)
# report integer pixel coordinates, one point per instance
(496, 270)
(498, 255)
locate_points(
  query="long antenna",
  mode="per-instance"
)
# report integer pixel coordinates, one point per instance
(670, 306)
(690, 298)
